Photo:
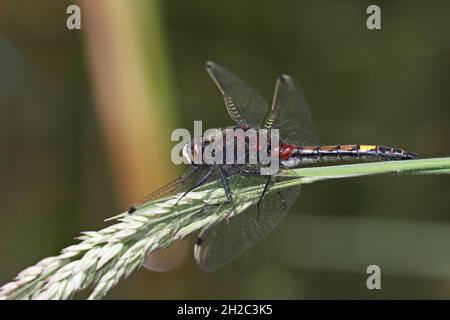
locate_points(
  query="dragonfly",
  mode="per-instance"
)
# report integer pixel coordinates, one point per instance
(219, 244)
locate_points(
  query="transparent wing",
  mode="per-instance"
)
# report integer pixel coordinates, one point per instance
(245, 106)
(183, 183)
(221, 243)
(290, 114)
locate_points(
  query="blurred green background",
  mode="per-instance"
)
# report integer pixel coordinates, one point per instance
(86, 116)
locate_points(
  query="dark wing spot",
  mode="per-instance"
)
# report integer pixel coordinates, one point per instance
(199, 241)
(283, 77)
(131, 210)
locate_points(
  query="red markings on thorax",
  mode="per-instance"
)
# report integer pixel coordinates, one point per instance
(287, 150)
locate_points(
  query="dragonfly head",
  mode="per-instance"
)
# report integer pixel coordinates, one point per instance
(192, 151)
(202, 150)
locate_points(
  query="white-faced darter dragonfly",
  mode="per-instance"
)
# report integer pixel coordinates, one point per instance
(219, 244)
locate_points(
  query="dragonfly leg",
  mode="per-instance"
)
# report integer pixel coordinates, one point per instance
(266, 187)
(131, 210)
(198, 184)
(226, 186)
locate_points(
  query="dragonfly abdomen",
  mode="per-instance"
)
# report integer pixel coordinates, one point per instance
(292, 156)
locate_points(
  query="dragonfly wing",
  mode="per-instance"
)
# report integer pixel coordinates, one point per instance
(290, 114)
(245, 106)
(221, 243)
(182, 184)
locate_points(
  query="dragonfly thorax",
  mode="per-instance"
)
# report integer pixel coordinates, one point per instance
(233, 145)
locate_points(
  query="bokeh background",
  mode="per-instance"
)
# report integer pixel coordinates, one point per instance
(86, 116)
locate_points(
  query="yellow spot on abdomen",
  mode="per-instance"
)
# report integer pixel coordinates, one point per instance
(367, 147)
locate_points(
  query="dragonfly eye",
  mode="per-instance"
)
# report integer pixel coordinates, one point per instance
(187, 155)
(192, 151)
(197, 149)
